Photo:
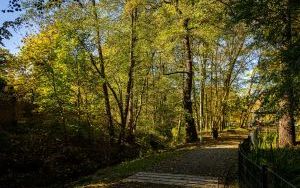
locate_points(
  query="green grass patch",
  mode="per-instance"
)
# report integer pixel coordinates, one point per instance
(236, 129)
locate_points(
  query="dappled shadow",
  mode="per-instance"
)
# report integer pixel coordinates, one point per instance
(215, 162)
(215, 158)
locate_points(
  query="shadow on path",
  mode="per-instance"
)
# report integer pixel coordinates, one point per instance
(212, 158)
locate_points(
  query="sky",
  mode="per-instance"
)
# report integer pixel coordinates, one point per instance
(14, 43)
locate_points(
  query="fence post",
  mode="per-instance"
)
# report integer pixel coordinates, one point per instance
(239, 164)
(264, 171)
(240, 167)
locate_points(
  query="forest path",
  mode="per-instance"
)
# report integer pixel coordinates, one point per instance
(212, 163)
(213, 160)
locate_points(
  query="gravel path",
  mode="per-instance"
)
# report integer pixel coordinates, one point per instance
(212, 158)
(216, 158)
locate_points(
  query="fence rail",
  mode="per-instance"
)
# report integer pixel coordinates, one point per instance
(252, 175)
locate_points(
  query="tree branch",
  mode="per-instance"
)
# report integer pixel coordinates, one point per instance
(176, 72)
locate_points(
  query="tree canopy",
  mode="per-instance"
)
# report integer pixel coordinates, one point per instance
(118, 79)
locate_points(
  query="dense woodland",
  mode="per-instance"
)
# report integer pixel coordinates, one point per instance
(100, 82)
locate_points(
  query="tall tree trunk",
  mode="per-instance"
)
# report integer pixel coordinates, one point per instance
(287, 108)
(228, 82)
(196, 105)
(131, 120)
(211, 100)
(60, 106)
(287, 103)
(138, 109)
(244, 118)
(217, 120)
(103, 75)
(191, 132)
(202, 93)
(78, 83)
(128, 103)
(286, 123)
(206, 113)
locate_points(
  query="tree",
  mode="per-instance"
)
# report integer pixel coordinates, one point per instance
(277, 24)
(187, 22)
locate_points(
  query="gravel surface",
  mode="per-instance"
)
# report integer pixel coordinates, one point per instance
(211, 158)
(215, 158)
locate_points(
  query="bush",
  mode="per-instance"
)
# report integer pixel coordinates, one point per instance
(284, 161)
(37, 155)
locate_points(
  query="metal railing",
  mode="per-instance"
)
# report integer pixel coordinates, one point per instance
(252, 175)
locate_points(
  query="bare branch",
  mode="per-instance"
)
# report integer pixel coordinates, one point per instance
(176, 72)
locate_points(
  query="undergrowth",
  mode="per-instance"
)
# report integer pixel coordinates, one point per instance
(284, 161)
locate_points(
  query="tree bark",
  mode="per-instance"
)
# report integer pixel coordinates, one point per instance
(128, 99)
(286, 124)
(202, 92)
(195, 106)
(287, 104)
(227, 85)
(191, 132)
(103, 75)
(286, 127)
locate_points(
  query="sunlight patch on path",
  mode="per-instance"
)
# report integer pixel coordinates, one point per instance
(221, 146)
(175, 179)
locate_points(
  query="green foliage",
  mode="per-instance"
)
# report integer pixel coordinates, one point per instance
(274, 23)
(268, 19)
(268, 140)
(97, 67)
(284, 161)
(36, 156)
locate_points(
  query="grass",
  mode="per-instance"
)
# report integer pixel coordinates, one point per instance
(236, 129)
(112, 174)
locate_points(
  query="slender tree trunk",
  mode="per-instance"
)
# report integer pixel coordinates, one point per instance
(78, 103)
(139, 107)
(103, 75)
(227, 83)
(130, 121)
(202, 93)
(128, 102)
(217, 98)
(60, 106)
(206, 113)
(211, 100)
(244, 118)
(196, 109)
(179, 128)
(191, 132)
